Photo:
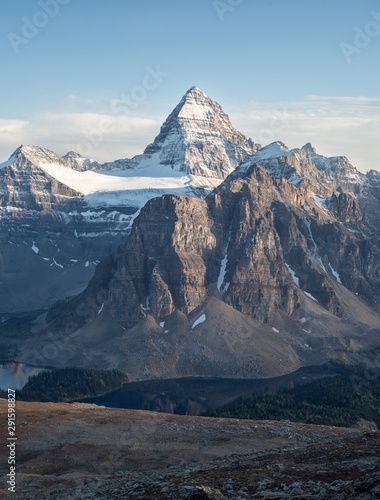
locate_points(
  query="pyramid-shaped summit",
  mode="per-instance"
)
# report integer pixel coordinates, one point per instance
(197, 138)
(196, 105)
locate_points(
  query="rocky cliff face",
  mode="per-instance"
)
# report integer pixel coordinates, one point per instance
(345, 207)
(166, 259)
(255, 280)
(263, 246)
(25, 186)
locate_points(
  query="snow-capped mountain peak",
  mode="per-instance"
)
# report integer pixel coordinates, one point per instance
(323, 174)
(196, 105)
(197, 138)
(194, 92)
(273, 150)
(42, 157)
(38, 155)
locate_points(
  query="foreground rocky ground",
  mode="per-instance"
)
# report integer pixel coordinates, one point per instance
(82, 451)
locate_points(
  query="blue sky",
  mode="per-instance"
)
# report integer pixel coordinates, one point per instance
(277, 68)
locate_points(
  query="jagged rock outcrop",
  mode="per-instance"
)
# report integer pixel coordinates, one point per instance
(79, 162)
(309, 148)
(345, 207)
(252, 280)
(261, 253)
(322, 176)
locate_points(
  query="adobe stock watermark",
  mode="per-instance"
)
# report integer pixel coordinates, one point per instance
(11, 440)
(30, 27)
(277, 123)
(362, 38)
(222, 7)
(152, 79)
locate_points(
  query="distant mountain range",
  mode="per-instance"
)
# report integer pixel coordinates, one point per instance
(219, 257)
(61, 215)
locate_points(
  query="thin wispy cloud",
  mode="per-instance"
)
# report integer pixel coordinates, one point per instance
(123, 136)
(11, 126)
(111, 105)
(344, 99)
(10, 133)
(106, 128)
(337, 126)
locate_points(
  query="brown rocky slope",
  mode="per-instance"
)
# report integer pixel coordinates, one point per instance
(82, 451)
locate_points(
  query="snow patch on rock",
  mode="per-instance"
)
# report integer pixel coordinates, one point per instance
(293, 275)
(200, 320)
(310, 296)
(336, 275)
